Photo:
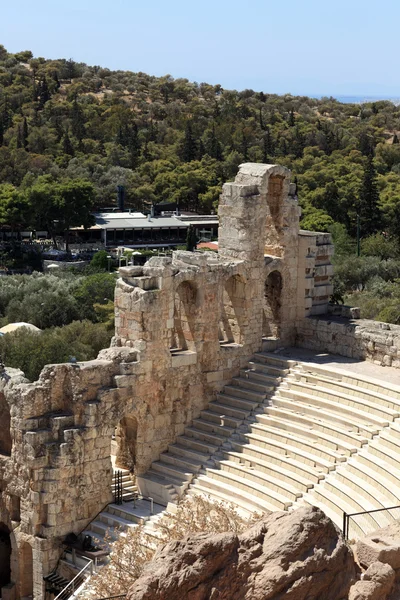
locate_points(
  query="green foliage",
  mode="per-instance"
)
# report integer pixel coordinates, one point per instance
(100, 260)
(380, 245)
(31, 351)
(191, 239)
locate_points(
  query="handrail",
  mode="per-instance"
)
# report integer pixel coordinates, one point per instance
(348, 516)
(74, 580)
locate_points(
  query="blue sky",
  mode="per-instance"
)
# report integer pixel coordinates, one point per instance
(302, 47)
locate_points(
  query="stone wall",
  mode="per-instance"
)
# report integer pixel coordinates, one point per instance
(360, 339)
(184, 326)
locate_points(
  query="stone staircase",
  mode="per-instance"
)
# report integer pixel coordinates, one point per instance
(285, 432)
(203, 444)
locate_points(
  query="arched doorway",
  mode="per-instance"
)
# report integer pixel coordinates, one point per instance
(185, 306)
(125, 443)
(5, 556)
(232, 311)
(272, 305)
(5, 433)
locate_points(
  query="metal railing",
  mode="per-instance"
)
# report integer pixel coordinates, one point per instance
(77, 581)
(118, 498)
(349, 518)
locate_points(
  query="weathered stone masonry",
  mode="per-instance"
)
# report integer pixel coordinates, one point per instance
(184, 327)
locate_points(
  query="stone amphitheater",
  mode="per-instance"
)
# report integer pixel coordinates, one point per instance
(229, 375)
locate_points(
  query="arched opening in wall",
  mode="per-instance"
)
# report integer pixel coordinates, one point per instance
(273, 240)
(233, 311)
(272, 305)
(185, 307)
(123, 458)
(26, 570)
(5, 556)
(5, 433)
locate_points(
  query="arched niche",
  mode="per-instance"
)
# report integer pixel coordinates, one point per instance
(5, 555)
(272, 305)
(26, 570)
(185, 308)
(233, 306)
(125, 443)
(5, 428)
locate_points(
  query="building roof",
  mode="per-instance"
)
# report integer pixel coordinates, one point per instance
(137, 220)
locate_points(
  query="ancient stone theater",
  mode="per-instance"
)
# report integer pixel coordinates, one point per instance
(196, 394)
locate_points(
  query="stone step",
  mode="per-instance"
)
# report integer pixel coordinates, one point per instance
(384, 453)
(98, 527)
(213, 417)
(281, 461)
(244, 394)
(334, 407)
(236, 402)
(174, 471)
(221, 495)
(185, 463)
(222, 408)
(183, 451)
(275, 360)
(194, 443)
(261, 367)
(291, 477)
(341, 398)
(231, 493)
(304, 408)
(271, 483)
(362, 486)
(381, 469)
(115, 521)
(270, 497)
(290, 440)
(336, 430)
(360, 390)
(309, 432)
(253, 386)
(211, 428)
(325, 466)
(267, 382)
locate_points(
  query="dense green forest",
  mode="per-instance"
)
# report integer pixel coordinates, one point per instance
(70, 133)
(65, 124)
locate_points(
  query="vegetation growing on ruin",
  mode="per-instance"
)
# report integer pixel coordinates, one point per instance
(132, 551)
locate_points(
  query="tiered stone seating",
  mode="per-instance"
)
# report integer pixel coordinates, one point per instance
(368, 479)
(287, 432)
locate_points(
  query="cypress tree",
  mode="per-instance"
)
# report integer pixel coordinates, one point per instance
(77, 121)
(67, 146)
(191, 239)
(189, 144)
(368, 205)
(292, 119)
(395, 139)
(24, 133)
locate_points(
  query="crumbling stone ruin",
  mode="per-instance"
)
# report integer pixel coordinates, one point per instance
(184, 328)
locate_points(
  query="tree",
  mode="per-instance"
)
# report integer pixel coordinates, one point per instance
(368, 203)
(191, 239)
(44, 210)
(13, 207)
(75, 199)
(189, 144)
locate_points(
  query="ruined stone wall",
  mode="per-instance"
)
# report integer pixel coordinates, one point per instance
(184, 326)
(360, 339)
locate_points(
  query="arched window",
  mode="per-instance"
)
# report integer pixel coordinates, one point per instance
(233, 311)
(272, 305)
(185, 306)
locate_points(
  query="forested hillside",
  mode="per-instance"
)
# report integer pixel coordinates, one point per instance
(70, 133)
(166, 139)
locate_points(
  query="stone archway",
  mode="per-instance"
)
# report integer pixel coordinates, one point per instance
(5, 556)
(232, 311)
(125, 443)
(272, 305)
(185, 307)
